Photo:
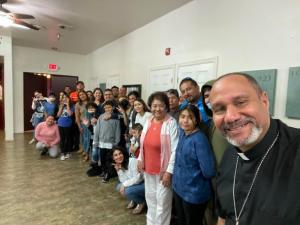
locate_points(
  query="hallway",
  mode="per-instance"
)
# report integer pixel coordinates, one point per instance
(37, 190)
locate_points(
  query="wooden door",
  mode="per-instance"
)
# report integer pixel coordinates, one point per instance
(58, 83)
(2, 125)
(32, 83)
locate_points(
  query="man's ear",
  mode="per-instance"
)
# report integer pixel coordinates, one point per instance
(265, 99)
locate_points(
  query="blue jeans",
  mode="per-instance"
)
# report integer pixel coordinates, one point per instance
(86, 137)
(135, 193)
(96, 155)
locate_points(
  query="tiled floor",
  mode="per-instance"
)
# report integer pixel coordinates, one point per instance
(37, 190)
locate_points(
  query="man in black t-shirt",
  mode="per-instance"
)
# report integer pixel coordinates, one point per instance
(259, 178)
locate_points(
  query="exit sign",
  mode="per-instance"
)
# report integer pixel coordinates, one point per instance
(52, 67)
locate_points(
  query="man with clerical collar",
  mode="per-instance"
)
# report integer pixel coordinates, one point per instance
(259, 178)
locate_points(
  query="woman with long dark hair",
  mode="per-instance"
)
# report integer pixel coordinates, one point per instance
(131, 183)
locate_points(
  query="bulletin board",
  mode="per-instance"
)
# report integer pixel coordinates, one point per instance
(293, 91)
(201, 71)
(161, 78)
(267, 80)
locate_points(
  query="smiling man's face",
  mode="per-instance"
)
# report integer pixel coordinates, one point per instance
(240, 111)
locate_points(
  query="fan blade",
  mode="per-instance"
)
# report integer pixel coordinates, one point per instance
(22, 16)
(4, 10)
(25, 24)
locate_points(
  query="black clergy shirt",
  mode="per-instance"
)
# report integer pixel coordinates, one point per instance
(275, 197)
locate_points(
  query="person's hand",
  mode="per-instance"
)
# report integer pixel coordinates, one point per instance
(47, 145)
(140, 166)
(166, 179)
(86, 122)
(93, 121)
(120, 109)
(130, 132)
(122, 190)
(117, 166)
(107, 116)
(132, 150)
(80, 130)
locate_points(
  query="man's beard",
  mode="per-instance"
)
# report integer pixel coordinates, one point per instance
(255, 133)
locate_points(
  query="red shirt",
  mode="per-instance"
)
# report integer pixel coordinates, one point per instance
(152, 149)
(74, 96)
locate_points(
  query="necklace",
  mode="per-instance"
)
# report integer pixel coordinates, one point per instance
(238, 215)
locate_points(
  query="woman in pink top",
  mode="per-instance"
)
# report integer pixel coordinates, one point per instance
(157, 155)
(48, 137)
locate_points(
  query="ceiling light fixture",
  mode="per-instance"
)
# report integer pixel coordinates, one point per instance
(5, 21)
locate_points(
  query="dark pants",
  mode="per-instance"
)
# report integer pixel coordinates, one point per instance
(65, 139)
(106, 162)
(188, 213)
(75, 137)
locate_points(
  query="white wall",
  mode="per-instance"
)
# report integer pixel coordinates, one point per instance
(245, 35)
(37, 60)
(6, 51)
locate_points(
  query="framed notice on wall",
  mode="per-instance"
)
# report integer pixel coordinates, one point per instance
(201, 71)
(161, 78)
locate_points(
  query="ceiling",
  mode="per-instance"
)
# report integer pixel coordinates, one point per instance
(89, 24)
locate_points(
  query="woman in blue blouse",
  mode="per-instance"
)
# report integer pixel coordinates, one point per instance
(193, 170)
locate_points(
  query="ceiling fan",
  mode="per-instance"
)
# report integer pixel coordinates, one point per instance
(15, 19)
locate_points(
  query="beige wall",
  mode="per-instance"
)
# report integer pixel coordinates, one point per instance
(6, 51)
(245, 35)
(37, 60)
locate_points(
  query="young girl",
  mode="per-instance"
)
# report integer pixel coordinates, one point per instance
(131, 183)
(194, 167)
(142, 111)
(135, 140)
(64, 114)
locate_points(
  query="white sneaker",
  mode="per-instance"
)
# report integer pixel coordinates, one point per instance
(62, 158)
(31, 141)
(67, 156)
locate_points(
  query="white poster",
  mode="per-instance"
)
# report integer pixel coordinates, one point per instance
(161, 79)
(201, 71)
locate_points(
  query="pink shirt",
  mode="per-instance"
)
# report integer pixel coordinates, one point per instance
(47, 134)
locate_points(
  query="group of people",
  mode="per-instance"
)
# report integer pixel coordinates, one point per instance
(170, 150)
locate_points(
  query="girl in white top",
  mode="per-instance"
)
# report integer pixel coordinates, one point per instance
(131, 183)
(142, 110)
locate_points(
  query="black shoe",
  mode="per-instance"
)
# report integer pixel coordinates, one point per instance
(102, 174)
(44, 151)
(106, 178)
(94, 171)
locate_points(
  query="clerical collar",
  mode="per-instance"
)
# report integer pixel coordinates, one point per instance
(260, 148)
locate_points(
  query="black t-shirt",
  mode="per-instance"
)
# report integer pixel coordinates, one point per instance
(274, 199)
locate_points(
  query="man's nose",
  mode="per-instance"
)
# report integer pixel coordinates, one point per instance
(232, 114)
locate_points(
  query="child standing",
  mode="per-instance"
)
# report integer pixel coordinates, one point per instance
(91, 122)
(64, 114)
(194, 167)
(136, 132)
(51, 106)
(107, 134)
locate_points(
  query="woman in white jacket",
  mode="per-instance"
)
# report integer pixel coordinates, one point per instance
(131, 183)
(158, 143)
